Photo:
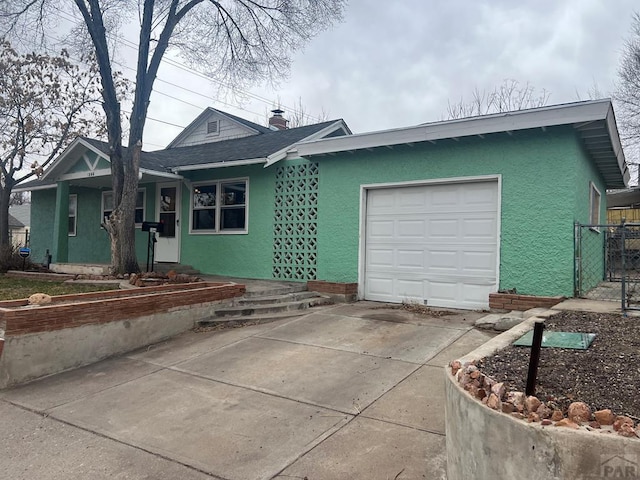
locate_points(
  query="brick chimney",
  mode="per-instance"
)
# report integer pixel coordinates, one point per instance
(278, 121)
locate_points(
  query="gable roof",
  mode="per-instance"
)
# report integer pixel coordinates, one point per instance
(14, 222)
(208, 111)
(593, 121)
(265, 147)
(22, 213)
(253, 147)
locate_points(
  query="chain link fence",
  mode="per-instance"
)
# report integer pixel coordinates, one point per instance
(607, 263)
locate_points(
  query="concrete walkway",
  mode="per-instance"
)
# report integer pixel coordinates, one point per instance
(344, 392)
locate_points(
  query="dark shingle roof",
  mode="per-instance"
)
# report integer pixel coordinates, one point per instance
(260, 145)
(245, 148)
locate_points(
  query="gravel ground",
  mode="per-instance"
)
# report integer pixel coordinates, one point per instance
(606, 375)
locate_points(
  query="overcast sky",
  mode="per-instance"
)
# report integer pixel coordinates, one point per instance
(393, 64)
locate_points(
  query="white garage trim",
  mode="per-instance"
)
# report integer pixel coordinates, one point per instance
(364, 190)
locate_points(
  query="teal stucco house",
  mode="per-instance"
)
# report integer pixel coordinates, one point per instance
(443, 213)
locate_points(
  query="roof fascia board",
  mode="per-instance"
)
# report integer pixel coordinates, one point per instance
(616, 143)
(74, 176)
(62, 157)
(158, 173)
(282, 153)
(33, 189)
(520, 120)
(207, 166)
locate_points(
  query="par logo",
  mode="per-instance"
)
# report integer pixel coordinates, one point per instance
(619, 466)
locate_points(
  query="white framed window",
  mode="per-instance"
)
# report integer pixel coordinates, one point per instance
(107, 206)
(219, 206)
(213, 127)
(73, 215)
(594, 204)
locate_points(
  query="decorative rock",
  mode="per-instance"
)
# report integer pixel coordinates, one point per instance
(517, 400)
(172, 274)
(481, 393)
(594, 424)
(565, 422)
(494, 402)
(546, 422)
(475, 374)
(133, 279)
(557, 415)
(627, 430)
(533, 417)
(579, 412)
(543, 411)
(620, 421)
(604, 417)
(499, 390)
(488, 383)
(508, 407)
(455, 366)
(531, 403)
(39, 299)
(518, 415)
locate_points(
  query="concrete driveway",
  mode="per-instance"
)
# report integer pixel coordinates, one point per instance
(344, 392)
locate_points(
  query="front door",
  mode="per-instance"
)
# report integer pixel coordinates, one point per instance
(168, 208)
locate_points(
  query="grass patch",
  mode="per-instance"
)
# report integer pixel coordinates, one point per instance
(14, 288)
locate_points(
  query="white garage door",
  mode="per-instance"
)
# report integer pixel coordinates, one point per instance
(432, 244)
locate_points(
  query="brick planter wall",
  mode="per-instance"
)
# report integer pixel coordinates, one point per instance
(76, 330)
(343, 292)
(513, 301)
(68, 311)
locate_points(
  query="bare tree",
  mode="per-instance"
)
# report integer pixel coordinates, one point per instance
(237, 41)
(627, 94)
(45, 102)
(507, 97)
(19, 198)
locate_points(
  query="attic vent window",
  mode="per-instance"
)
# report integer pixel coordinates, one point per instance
(213, 127)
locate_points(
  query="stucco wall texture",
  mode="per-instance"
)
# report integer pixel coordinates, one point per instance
(545, 188)
(544, 175)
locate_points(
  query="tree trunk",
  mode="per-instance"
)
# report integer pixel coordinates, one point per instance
(5, 196)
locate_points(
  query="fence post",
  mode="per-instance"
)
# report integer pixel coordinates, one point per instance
(577, 260)
(623, 267)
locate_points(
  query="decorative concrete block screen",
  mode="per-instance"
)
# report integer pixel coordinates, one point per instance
(295, 227)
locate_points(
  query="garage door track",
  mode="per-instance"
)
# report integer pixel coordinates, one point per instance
(343, 392)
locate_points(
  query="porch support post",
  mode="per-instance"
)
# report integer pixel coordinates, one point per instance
(60, 250)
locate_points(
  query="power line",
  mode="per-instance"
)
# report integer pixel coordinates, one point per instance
(174, 63)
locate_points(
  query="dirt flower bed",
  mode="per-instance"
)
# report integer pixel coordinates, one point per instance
(596, 387)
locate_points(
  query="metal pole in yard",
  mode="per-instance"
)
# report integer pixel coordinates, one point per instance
(623, 266)
(534, 359)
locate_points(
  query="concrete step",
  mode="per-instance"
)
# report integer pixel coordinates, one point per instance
(176, 267)
(275, 290)
(258, 309)
(274, 299)
(249, 319)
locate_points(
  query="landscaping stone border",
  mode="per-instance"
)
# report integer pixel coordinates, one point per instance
(484, 443)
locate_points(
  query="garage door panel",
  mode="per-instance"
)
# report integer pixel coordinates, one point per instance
(410, 259)
(380, 257)
(443, 227)
(433, 243)
(410, 197)
(407, 289)
(479, 228)
(439, 260)
(441, 197)
(479, 262)
(380, 229)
